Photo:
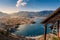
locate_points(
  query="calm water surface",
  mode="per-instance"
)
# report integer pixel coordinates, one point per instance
(32, 29)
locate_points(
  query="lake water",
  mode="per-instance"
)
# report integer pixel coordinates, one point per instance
(31, 29)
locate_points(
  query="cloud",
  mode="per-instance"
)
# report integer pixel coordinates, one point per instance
(20, 3)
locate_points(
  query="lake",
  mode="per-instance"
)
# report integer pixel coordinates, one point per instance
(32, 29)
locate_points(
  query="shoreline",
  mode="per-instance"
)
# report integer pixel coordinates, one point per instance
(36, 37)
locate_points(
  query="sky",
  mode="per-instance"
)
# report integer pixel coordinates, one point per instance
(11, 6)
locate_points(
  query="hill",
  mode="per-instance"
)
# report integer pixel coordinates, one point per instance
(27, 14)
(3, 14)
(32, 14)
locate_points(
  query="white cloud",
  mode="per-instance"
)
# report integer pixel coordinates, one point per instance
(20, 3)
(23, 4)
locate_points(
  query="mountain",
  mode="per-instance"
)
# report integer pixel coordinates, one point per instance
(45, 13)
(27, 14)
(3, 14)
(32, 14)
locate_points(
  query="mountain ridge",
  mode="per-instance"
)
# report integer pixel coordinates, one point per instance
(28, 14)
(32, 14)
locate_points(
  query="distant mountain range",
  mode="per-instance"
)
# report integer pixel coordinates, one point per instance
(28, 14)
(3, 14)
